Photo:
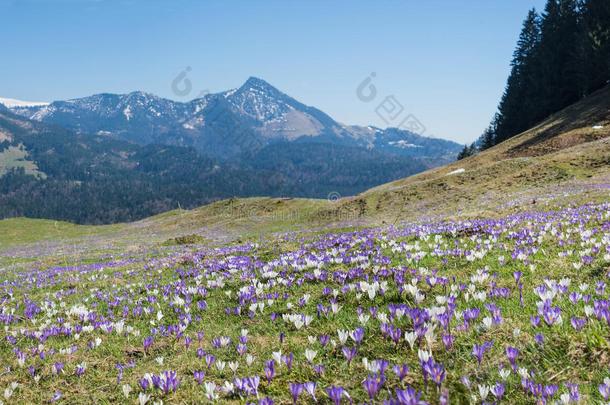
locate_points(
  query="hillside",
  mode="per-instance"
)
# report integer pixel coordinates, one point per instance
(51, 172)
(129, 156)
(564, 160)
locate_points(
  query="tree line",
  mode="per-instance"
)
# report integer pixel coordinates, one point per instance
(562, 55)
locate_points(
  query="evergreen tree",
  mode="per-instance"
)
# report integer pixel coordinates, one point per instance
(561, 56)
(596, 22)
(488, 139)
(469, 150)
(517, 110)
(464, 153)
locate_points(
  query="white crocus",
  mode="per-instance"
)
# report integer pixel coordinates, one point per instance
(310, 355)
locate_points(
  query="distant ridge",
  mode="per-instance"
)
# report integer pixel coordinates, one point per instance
(228, 124)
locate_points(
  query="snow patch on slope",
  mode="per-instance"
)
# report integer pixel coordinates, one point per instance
(10, 103)
(456, 171)
(404, 144)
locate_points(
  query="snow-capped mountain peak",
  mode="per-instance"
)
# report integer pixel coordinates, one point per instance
(223, 124)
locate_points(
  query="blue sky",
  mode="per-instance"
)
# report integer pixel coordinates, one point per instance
(445, 61)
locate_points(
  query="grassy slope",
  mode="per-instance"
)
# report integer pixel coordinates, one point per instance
(534, 170)
(19, 231)
(16, 158)
(564, 151)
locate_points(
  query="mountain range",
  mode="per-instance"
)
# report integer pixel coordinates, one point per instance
(109, 157)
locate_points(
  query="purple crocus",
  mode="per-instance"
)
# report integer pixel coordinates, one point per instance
(319, 369)
(336, 393)
(511, 354)
(401, 371)
(437, 373)
(448, 341)
(357, 335)
(295, 391)
(58, 367)
(408, 396)
(209, 360)
(168, 381)
(199, 376)
(349, 353)
(574, 392)
(148, 342)
(578, 323)
(604, 389)
(288, 360)
(56, 396)
(187, 341)
(372, 384)
(269, 370)
(324, 339)
(80, 370)
(479, 350)
(498, 390)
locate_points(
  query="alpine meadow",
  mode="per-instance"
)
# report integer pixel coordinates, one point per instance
(175, 229)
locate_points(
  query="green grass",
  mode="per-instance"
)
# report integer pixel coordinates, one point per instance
(15, 157)
(18, 231)
(565, 357)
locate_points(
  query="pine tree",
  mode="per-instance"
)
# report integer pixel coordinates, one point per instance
(596, 21)
(517, 110)
(560, 57)
(468, 150)
(465, 152)
(488, 139)
(561, 53)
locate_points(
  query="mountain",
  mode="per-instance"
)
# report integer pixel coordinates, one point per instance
(51, 172)
(564, 161)
(110, 158)
(227, 125)
(47, 171)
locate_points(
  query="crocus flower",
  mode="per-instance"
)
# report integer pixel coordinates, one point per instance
(349, 353)
(295, 391)
(479, 350)
(336, 393)
(498, 390)
(310, 387)
(58, 367)
(408, 396)
(401, 371)
(270, 370)
(168, 381)
(148, 342)
(604, 389)
(372, 384)
(199, 376)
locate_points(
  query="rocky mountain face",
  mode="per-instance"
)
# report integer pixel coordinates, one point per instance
(227, 124)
